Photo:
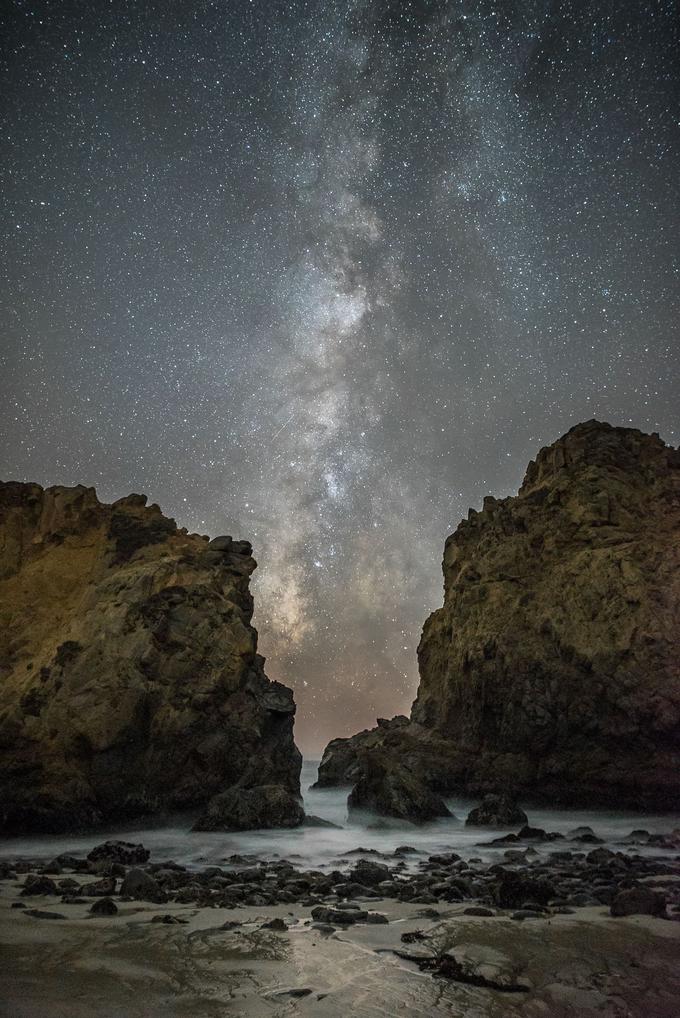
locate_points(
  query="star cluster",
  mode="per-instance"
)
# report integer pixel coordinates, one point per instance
(324, 274)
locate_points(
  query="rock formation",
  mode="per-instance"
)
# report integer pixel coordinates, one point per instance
(552, 670)
(392, 790)
(128, 666)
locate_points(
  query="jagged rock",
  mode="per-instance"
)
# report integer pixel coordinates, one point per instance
(339, 764)
(496, 811)
(124, 852)
(551, 671)
(129, 671)
(390, 790)
(242, 809)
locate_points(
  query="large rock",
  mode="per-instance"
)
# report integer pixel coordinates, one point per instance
(496, 811)
(638, 901)
(242, 809)
(142, 886)
(391, 790)
(552, 669)
(129, 670)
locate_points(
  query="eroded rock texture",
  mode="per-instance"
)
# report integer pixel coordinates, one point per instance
(128, 667)
(553, 668)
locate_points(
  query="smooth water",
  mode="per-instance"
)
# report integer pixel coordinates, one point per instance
(319, 847)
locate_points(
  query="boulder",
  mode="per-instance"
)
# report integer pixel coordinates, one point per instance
(638, 901)
(104, 906)
(369, 873)
(514, 889)
(36, 883)
(496, 811)
(141, 885)
(124, 852)
(390, 790)
(244, 809)
(131, 682)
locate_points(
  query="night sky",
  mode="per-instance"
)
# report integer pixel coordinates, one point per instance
(322, 275)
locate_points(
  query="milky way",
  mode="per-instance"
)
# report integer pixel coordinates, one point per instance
(323, 275)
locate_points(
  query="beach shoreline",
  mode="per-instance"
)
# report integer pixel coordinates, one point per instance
(174, 959)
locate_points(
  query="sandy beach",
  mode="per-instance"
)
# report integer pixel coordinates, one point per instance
(131, 965)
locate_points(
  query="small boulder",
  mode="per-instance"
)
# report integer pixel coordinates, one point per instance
(369, 873)
(142, 887)
(497, 811)
(275, 924)
(100, 888)
(38, 884)
(104, 906)
(515, 889)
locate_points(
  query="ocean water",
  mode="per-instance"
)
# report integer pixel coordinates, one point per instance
(321, 847)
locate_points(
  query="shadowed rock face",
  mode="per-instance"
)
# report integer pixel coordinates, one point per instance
(553, 668)
(128, 667)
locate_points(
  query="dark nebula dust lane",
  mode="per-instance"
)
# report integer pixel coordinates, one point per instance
(322, 275)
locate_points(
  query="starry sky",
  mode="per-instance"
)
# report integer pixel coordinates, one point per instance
(323, 274)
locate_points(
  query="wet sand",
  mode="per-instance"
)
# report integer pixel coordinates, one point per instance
(127, 966)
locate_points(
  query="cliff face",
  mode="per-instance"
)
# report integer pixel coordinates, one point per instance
(128, 667)
(553, 667)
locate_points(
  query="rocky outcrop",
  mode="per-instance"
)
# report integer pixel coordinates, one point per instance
(243, 809)
(340, 764)
(129, 670)
(552, 671)
(392, 790)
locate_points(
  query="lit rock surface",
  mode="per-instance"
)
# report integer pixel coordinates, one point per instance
(552, 670)
(128, 666)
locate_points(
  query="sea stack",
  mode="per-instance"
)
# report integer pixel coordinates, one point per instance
(552, 671)
(129, 671)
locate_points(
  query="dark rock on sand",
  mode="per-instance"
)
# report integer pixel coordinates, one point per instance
(514, 889)
(142, 886)
(36, 883)
(275, 924)
(638, 901)
(369, 873)
(100, 888)
(104, 907)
